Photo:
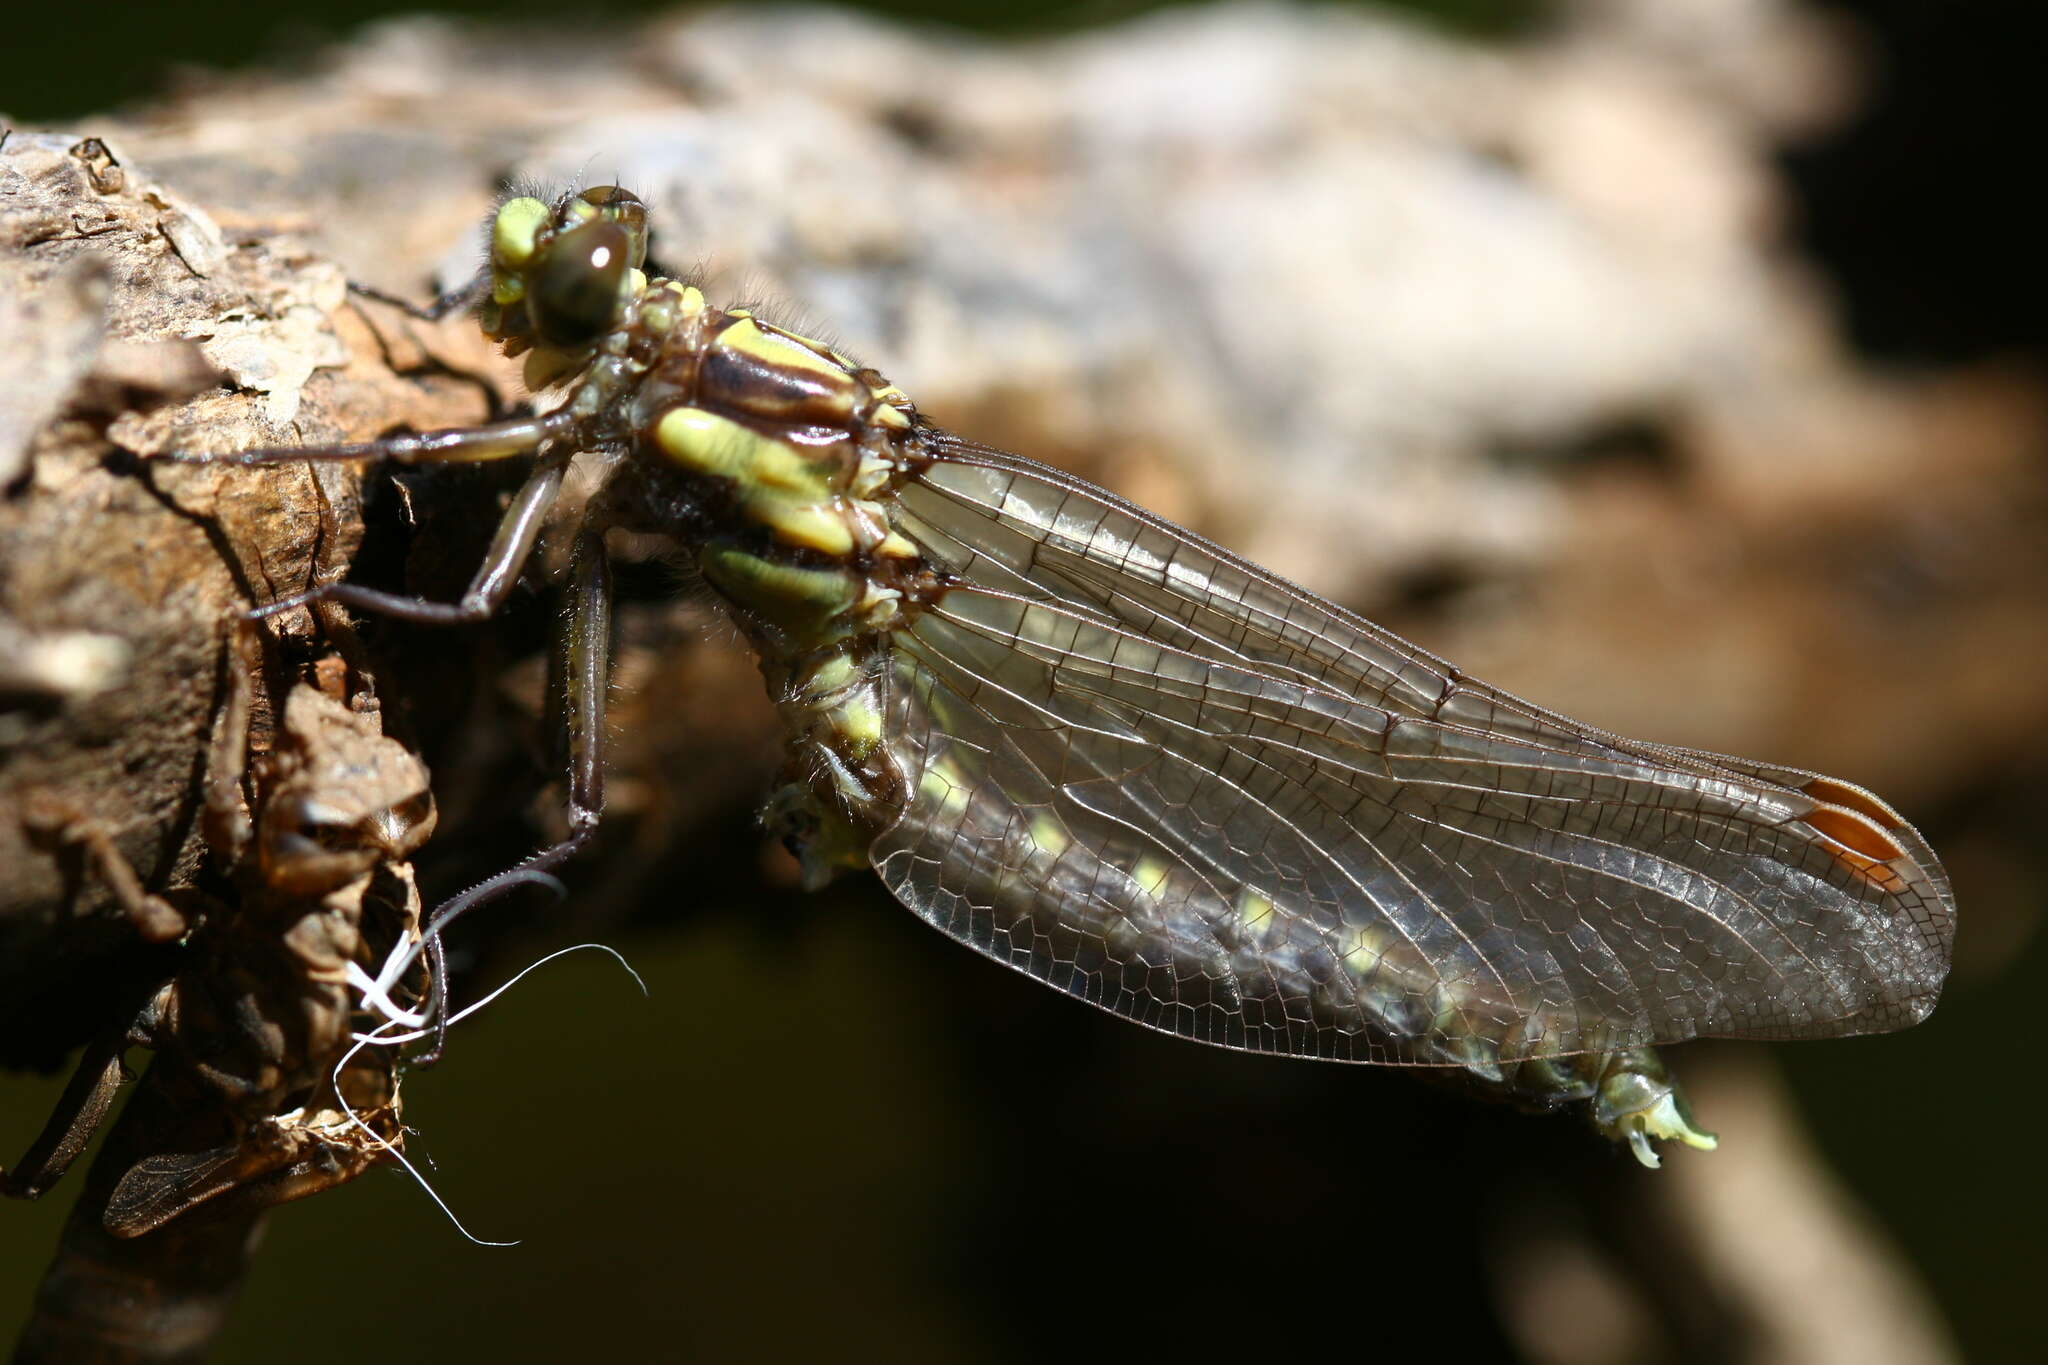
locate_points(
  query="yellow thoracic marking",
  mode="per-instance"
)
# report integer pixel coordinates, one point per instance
(810, 525)
(516, 231)
(778, 376)
(1151, 875)
(831, 674)
(896, 547)
(658, 312)
(890, 418)
(794, 598)
(1254, 911)
(710, 444)
(859, 721)
(635, 283)
(872, 476)
(670, 304)
(507, 288)
(781, 349)
(778, 488)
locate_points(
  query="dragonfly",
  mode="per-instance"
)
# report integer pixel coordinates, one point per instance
(1110, 754)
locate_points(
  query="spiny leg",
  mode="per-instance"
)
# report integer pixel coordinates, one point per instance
(587, 647)
(518, 532)
(453, 445)
(453, 301)
(586, 659)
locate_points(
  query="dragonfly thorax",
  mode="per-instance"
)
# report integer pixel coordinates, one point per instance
(795, 451)
(770, 457)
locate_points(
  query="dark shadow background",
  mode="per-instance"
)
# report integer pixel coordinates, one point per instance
(958, 1164)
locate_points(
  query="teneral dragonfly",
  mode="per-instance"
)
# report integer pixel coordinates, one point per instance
(1116, 757)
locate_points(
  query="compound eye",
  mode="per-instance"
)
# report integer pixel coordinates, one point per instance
(628, 210)
(575, 293)
(612, 199)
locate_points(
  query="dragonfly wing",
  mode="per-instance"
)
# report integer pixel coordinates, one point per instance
(1169, 783)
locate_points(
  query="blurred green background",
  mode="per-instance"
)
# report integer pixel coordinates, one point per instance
(964, 1166)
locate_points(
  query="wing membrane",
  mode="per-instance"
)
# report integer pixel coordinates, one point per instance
(1171, 784)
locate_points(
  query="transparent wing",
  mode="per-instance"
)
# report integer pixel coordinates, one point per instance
(1167, 782)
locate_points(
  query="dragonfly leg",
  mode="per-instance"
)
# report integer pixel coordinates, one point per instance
(454, 445)
(452, 301)
(586, 680)
(518, 531)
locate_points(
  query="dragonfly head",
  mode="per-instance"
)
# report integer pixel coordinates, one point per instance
(562, 273)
